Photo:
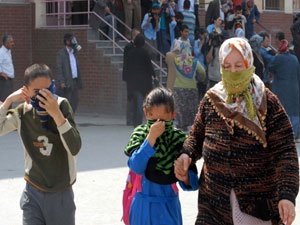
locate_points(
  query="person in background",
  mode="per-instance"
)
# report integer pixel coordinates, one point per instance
(125, 74)
(267, 57)
(236, 21)
(295, 30)
(140, 77)
(189, 19)
(7, 71)
(216, 9)
(172, 5)
(216, 26)
(199, 54)
(250, 11)
(279, 37)
(184, 71)
(199, 46)
(112, 7)
(175, 27)
(258, 62)
(184, 37)
(196, 12)
(212, 58)
(286, 82)
(150, 27)
(250, 173)
(133, 15)
(152, 150)
(94, 21)
(68, 73)
(51, 142)
(239, 32)
(162, 38)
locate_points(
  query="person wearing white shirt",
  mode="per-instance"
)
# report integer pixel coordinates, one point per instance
(7, 72)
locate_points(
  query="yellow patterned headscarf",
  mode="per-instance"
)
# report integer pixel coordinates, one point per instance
(240, 44)
(240, 97)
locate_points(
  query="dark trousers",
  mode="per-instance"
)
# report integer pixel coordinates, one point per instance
(129, 108)
(72, 94)
(6, 88)
(51, 208)
(137, 101)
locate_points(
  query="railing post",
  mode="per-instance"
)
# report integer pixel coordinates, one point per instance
(113, 33)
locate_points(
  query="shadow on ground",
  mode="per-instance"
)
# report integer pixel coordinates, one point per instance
(102, 148)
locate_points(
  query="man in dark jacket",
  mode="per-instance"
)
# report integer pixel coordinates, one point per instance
(140, 76)
(68, 75)
(125, 76)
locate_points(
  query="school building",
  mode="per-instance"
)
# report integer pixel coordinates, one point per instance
(38, 27)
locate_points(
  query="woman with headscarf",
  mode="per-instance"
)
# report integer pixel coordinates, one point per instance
(183, 73)
(250, 172)
(286, 82)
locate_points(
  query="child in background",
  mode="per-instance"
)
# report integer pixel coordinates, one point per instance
(200, 48)
(200, 43)
(175, 27)
(152, 150)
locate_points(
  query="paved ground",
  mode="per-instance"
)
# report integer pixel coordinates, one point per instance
(101, 175)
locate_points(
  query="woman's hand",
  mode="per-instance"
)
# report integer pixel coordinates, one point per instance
(286, 211)
(181, 167)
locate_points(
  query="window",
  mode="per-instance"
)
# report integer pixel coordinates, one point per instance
(296, 5)
(274, 5)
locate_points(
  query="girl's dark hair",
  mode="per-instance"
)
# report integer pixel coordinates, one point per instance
(160, 96)
(37, 70)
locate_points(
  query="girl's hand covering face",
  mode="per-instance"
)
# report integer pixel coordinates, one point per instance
(157, 128)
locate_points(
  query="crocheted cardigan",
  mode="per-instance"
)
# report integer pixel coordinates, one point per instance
(260, 172)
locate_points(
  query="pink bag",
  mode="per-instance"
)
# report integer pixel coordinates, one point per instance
(133, 184)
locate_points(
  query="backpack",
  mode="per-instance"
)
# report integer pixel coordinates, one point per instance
(133, 184)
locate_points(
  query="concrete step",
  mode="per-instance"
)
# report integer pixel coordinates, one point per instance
(115, 57)
(108, 50)
(108, 43)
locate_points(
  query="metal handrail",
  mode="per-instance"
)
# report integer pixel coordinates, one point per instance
(62, 12)
(115, 44)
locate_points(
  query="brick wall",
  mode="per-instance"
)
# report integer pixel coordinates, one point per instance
(17, 21)
(275, 22)
(104, 90)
